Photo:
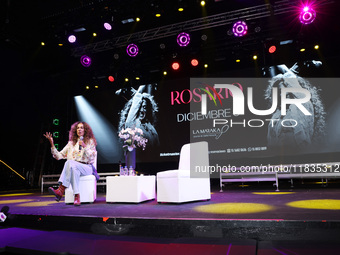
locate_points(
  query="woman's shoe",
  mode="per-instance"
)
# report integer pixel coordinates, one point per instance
(58, 193)
(76, 199)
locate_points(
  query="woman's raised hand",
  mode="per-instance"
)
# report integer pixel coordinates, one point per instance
(49, 137)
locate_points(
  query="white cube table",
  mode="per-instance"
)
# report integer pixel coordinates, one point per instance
(130, 189)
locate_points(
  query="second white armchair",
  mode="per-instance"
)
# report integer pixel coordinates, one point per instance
(191, 181)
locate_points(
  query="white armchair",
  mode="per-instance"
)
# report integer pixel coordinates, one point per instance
(191, 181)
(87, 189)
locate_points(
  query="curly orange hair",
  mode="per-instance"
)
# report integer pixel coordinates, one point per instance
(88, 133)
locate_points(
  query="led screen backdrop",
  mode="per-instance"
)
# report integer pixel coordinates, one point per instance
(169, 113)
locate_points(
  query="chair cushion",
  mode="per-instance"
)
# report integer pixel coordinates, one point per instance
(174, 174)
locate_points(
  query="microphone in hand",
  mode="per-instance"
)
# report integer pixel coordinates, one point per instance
(81, 140)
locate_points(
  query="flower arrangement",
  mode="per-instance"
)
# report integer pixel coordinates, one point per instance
(132, 138)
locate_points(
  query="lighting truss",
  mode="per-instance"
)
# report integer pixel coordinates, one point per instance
(222, 19)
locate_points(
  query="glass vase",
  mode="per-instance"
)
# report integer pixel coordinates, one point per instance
(130, 159)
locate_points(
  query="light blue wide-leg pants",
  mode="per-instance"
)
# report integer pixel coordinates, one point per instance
(71, 173)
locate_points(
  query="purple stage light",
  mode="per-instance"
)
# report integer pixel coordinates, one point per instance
(107, 26)
(72, 38)
(183, 39)
(240, 28)
(132, 50)
(85, 61)
(307, 15)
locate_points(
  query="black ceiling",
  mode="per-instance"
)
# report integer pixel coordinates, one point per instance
(24, 24)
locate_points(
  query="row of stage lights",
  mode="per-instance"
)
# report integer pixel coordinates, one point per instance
(132, 50)
(86, 60)
(176, 65)
(271, 49)
(239, 29)
(306, 16)
(72, 38)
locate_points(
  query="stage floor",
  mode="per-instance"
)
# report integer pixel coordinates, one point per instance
(310, 202)
(254, 218)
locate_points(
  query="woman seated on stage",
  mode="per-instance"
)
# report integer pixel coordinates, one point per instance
(80, 153)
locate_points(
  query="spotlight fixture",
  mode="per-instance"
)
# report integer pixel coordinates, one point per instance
(272, 49)
(130, 20)
(307, 15)
(183, 39)
(230, 32)
(132, 50)
(72, 38)
(194, 62)
(175, 66)
(240, 28)
(80, 29)
(55, 122)
(257, 29)
(286, 42)
(107, 26)
(85, 60)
